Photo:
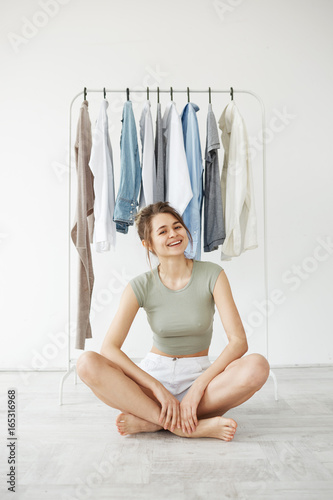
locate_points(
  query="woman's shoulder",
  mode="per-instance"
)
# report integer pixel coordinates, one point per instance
(142, 284)
(207, 273)
(144, 278)
(205, 267)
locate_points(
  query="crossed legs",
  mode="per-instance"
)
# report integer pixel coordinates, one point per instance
(140, 410)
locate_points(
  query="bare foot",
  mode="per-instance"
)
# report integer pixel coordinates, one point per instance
(215, 427)
(130, 424)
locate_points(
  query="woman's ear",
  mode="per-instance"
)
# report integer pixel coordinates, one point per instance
(146, 245)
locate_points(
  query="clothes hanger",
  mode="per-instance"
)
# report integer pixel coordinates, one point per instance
(85, 93)
(210, 95)
(232, 93)
(158, 95)
(104, 91)
(147, 93)
(127, 92)
(171, 93)
(188, 94)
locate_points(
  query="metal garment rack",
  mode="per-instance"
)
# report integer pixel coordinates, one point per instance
(71, 367)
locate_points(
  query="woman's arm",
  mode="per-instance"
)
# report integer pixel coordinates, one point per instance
(233, 327)
(116, 335)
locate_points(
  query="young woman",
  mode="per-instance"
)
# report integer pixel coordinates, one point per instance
(175, 386)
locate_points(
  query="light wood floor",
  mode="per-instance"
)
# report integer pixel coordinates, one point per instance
(281, 450)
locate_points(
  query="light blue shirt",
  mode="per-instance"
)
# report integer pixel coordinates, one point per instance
(130, 173)
(192, 214)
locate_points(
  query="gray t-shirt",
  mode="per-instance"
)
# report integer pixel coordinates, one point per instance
(159, 194)
(181, 320)
(214, 229)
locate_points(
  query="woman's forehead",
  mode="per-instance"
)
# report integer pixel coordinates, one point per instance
(163, 219)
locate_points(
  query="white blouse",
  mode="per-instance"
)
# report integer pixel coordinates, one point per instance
(178, 191)
(237, 186)
(101, 165)
(148, 184)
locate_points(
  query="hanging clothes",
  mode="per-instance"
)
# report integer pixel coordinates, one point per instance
(101, 164)
(130, 172)
(178, 184)
(237, 186)
(192, 213)
(214, 230)
(159, 194)
(148, 183)
(82, 231)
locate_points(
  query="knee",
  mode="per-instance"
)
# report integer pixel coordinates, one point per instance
(87, 366)
(257, 370)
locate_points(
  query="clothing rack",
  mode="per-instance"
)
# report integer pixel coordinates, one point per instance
(70, 362)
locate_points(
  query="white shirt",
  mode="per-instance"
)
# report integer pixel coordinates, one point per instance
(101, 165)
(148, 183)
(237, 186)
(178, 191)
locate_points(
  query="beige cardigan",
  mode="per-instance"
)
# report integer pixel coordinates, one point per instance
(82, 231)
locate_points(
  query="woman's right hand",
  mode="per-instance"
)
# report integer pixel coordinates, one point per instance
(170, 411)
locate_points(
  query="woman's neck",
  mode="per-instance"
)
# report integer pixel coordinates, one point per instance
(175, 271)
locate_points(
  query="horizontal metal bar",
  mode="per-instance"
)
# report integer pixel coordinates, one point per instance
(162, 90)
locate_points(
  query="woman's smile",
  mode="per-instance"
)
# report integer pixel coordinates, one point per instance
(174, 243)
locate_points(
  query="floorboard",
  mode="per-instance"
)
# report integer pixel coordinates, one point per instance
(282, 449)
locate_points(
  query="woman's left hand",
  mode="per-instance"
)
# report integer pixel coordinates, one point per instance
(188, 409)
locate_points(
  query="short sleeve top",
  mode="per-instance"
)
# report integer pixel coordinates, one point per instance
(181, 320)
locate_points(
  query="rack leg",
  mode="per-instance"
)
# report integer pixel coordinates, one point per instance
(272, 374)
(62, 383)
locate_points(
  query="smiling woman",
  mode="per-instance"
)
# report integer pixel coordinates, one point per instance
(175, 386)
(161, 225)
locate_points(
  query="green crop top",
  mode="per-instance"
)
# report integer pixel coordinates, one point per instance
(181, 320)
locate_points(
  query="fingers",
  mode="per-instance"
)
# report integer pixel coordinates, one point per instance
(170, 416)
(189, 420)
(162, 414)
(175, 419)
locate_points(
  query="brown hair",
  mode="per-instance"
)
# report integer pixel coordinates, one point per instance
(143, 221)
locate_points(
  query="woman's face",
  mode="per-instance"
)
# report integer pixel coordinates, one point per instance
(168, 236)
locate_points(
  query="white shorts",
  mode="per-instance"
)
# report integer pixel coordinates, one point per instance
(176, 374)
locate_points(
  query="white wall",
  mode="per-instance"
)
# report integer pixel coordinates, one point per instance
(281, 50)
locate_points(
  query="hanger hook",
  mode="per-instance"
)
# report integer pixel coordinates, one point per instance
(147, 93)
(210, 95)
(232, 93)
(158, 95)
(85, 93)
(188, 94)
(127, 92)
(104, 91)
(171, 93)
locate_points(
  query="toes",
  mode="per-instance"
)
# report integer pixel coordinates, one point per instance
(121, 430)
(232, 424)
(120, 418)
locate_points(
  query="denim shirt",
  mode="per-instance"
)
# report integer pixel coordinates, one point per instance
(130, 173)
(192, 214)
